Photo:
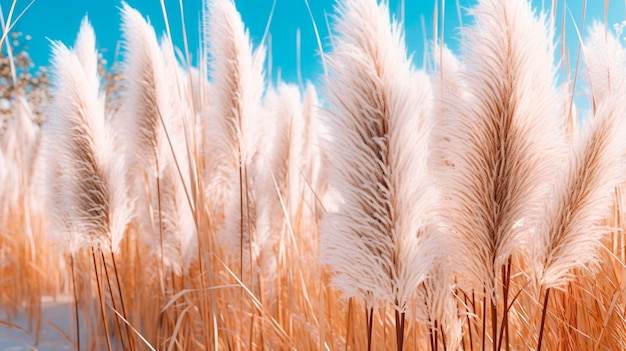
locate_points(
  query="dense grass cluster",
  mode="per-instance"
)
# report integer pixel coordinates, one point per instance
(191, 208)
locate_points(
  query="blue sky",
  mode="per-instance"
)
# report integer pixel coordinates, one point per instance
(60, 19)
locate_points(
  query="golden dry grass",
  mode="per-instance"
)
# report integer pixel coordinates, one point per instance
(281, 297)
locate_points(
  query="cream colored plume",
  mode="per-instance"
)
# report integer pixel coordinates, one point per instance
(377, 243)
(504, 140)
(234, 168)
(88, 197)
(158, 117)
(571, 232)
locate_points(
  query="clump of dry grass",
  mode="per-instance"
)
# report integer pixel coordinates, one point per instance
(23, 241)
(451, 209)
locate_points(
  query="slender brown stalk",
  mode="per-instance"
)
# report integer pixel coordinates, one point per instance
(435, 334)
(544, 312)
(161, 265)
(469, 322)
(400, 320)
(443, 339)
(101, 298)
(349, 323)
(494, 320)
(241, 218)
(175, 306)
(114, 304)
(431, 337)
(124, 310)
(369, 316)
(75, 303)
(504, 328)
(484, 317)
(160, 215)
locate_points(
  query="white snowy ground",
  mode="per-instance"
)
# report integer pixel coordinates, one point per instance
(56, 329)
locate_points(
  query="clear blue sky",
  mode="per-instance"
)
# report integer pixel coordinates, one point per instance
(60, 19)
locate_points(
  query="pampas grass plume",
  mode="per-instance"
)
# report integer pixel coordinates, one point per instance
(235, 169)
(237, 86)
(571, 233)
(503, 140)
(88, 195)
(160, 121)
(377, 242)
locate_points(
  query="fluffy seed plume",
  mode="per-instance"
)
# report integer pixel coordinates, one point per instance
(605, 58)
(448, 90)
(377, 241)
(158, 114)
(503, 140)
(237, 76)
(288, 159)
(232, 144)
(21, 147)
(88, 195)
(143, 71)
(570, 234)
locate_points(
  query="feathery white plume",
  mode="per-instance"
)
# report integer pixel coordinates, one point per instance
(21, 145)
(88, 195)
(448, 90)
(605, 59)
(570, 234)
(234, 170)
(160, 122)
(504, 139)
(237, 76)
(377, 242)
